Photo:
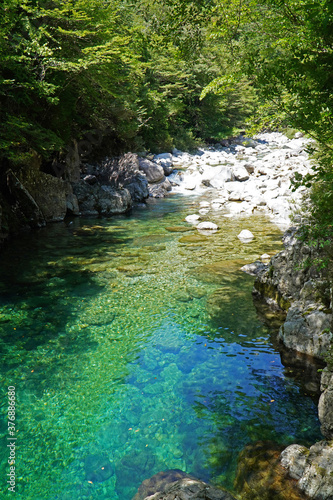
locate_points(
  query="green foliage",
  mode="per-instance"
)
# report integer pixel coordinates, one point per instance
(133, 70)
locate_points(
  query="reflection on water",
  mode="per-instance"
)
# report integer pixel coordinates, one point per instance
(134, 347)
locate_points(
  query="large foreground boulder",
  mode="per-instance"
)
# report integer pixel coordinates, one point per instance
(176, 484)
(311, 468)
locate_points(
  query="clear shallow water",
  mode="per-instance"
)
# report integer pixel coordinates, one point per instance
(134, 347)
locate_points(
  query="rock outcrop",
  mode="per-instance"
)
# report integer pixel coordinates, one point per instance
(111, 187)
(102, 199)
(176, 484)
(287, 282)
(30, 197)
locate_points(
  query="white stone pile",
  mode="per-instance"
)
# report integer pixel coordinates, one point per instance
(249, 175)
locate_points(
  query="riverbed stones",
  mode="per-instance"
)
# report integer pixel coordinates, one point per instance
(258, 174)
(207, 226)
(193, 219)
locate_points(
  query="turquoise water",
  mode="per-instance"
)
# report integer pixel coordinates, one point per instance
(134, 347)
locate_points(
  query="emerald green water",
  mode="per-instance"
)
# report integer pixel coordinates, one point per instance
(136, 348)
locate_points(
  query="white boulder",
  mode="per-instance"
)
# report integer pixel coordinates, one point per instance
(245, 235)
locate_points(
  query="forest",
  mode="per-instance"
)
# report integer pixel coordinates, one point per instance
(156, 75)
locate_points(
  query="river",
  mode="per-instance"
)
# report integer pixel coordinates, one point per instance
(134, 346)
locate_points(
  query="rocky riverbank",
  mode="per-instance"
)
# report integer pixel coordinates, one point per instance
(244, 174)
(305, 293)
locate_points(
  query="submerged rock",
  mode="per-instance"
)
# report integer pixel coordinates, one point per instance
(176, 484)
(98, 468)
(245, 236)
(207, 226)
(260, 475)
(192, 218)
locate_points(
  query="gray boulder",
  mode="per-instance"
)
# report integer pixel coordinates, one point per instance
(137, 185)
(160, 189)
(177, 485)
(165, 161)
(307, 330)
(152, 171)
(240, 173)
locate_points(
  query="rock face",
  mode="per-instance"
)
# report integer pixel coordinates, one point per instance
(24, 207)
(304, 292)
(99, 199)
(325, 407)
(177, 485)
(50, 194)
